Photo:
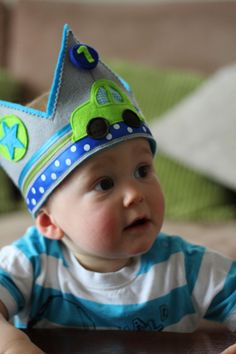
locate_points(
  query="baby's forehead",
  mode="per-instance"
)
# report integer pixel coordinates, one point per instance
(113, 155)
(135, 146)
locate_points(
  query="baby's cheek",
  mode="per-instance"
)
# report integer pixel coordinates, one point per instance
(107, 230)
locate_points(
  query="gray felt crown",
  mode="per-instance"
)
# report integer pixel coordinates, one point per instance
(90, 108)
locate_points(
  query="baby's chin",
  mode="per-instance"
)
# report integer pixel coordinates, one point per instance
(141, 249)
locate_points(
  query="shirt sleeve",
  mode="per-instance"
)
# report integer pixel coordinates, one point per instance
(214, 289)
(16, 276)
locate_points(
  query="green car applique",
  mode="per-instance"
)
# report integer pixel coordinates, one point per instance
(107, 106)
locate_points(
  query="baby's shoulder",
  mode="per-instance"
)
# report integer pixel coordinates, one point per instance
(34, 244)
(165, 246)
(175, 243)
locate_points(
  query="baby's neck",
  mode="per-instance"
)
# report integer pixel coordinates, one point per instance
(97, 264)
(100, 265)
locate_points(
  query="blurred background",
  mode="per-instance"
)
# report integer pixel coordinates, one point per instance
(171, 52)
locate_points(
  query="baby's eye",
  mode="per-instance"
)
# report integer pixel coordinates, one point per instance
(104, 184)
(142, 171)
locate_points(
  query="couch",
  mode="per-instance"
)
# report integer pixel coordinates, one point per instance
(170, 47)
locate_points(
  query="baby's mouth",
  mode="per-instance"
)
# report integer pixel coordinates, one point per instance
(138, 222)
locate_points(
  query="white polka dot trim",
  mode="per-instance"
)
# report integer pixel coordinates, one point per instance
(53, 176)
(33, 201)
(33, 190)
(43, 178)
(116, 126)
(57, 163)
(41, 190)
(68, 162)
(109, 136)
(73, 148)
(87, 147)
(130, 130)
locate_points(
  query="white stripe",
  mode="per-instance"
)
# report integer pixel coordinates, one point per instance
(158, 281)
(8, 301)
(211, 279)
(19, 268)
(161, 279)
(188, 323)
(53, 273)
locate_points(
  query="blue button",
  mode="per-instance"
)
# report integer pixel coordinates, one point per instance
(83, 56)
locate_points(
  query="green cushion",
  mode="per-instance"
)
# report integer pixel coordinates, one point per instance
(10, 90)
(188, 194)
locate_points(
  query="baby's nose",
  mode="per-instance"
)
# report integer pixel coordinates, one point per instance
(133, 194)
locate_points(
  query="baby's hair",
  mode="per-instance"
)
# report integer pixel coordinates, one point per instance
(39, 103)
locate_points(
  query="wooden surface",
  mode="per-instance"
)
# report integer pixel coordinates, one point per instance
(72, 341)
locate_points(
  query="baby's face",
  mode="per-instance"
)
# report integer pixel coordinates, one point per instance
(112, 206)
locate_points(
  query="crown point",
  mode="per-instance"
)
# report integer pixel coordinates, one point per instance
(83, 56)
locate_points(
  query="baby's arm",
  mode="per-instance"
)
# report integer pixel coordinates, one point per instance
(12, 340)
(230, 350)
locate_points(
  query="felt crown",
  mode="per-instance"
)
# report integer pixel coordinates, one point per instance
(89, 109)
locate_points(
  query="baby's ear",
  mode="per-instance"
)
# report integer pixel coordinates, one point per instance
(48, 226)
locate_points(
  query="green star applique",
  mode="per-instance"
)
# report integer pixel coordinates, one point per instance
(13, 138)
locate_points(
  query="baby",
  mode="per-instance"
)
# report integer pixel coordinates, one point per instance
(96, 257)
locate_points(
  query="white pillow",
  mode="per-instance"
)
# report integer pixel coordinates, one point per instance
(200, 131)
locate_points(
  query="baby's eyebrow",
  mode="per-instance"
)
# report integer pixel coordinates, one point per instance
(143, 150)
(101, 163)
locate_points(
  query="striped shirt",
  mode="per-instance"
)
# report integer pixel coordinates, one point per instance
(169, 288)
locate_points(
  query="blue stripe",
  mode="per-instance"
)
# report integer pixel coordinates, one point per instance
(54, 138)
(193, 260)
(161, 251)
(225, 301)
(7, 281)
(18, 323)
(165, 246)
(68, 310)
